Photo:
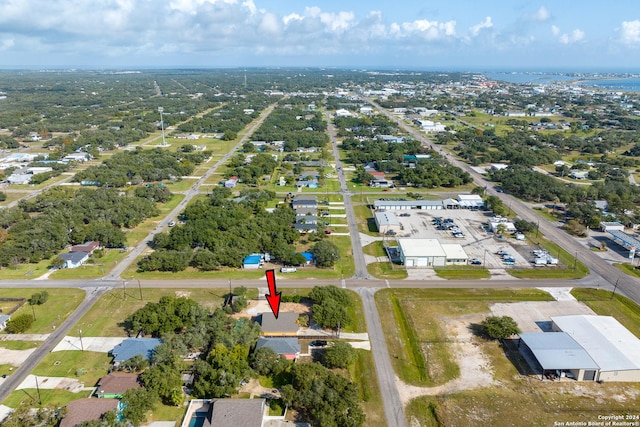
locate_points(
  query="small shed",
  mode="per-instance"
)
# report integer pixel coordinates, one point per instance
(251, 262)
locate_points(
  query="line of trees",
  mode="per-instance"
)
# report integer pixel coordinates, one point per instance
(39, 228)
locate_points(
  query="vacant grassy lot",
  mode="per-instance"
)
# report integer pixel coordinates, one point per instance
(61, 304)
(383, 270)
(363, 373)
(85, 366)
(417, 319)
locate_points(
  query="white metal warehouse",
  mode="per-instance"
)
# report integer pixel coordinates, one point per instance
(424, 253)
(612, 346)
(585, 347)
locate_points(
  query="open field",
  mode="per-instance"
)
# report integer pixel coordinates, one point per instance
(419, 319)
(61, 303)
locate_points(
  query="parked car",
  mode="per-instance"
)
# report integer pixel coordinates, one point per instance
(318, 343)
(327, 231)
(405, 214)
(475, 261)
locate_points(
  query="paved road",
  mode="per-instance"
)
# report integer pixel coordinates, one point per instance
(356, 244)
(393, 407)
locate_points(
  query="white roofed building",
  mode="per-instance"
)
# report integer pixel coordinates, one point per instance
(426, 253)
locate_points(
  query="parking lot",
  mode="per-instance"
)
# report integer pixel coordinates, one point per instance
(465, 227)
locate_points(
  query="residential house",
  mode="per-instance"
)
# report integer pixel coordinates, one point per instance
(77, 157)
(132, 347)
(306, 228)
(579, 174)
(88, 247)
(115, 384)
(343, 113)
(227, 413)
(305, 202)
(88, 409)
(231, 182)
(287, 347)
(74, 259)
(284, 326)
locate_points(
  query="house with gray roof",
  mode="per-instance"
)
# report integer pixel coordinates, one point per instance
(74, 259)
(285, 325)
(226, 413)
(287, 347)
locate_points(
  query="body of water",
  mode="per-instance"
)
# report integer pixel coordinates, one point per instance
(630, 84)
(519, 77)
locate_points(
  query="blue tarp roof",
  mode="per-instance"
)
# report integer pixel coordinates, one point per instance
(308, 255)
(135, 346)
(252, 259)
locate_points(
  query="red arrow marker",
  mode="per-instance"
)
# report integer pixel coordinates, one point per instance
(273, 297)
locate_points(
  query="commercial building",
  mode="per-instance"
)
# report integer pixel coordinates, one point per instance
(585, 348)
(425, 253)
(387, 223)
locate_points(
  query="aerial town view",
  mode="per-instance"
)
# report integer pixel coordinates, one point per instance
(217, 213)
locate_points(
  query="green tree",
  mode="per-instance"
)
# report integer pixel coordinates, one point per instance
(19, 323)
(137, 402)
(326, 399)
(163, 380)
(265, 361)
(339, 355)
(500, 327)
(326, 253)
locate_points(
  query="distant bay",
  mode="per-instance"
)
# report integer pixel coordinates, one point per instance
(631, 84)
(622, 84)
(529, 77)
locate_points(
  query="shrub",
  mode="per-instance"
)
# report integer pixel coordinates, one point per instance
(20, 323)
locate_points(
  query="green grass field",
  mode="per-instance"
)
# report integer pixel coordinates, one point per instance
(462, 272)
(61, 303)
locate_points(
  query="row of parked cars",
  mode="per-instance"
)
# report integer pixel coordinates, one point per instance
(506, 257)
(447, 224)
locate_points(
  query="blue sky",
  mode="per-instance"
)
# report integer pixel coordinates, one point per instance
(444, 34)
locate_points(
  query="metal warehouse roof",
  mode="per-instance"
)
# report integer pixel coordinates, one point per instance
(626, 240)
(381, 204)
(557, 350)
(386, 218)
(454, 251)
(609, 344)
(421, 248)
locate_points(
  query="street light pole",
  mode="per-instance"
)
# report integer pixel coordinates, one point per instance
(81, 345)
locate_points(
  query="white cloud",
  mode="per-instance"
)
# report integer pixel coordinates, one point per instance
(541, 14)
(270, 24)
(555, 30)
(429, 30)
(7, 43)
(575, 36)
(630, 32)
(486, 24)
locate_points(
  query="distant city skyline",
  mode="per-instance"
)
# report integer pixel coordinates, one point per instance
(405, 34)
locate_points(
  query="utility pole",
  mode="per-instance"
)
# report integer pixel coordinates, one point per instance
(81, 345)
(124, 290)
(140, 288)
(614, 288)
(38, 390)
